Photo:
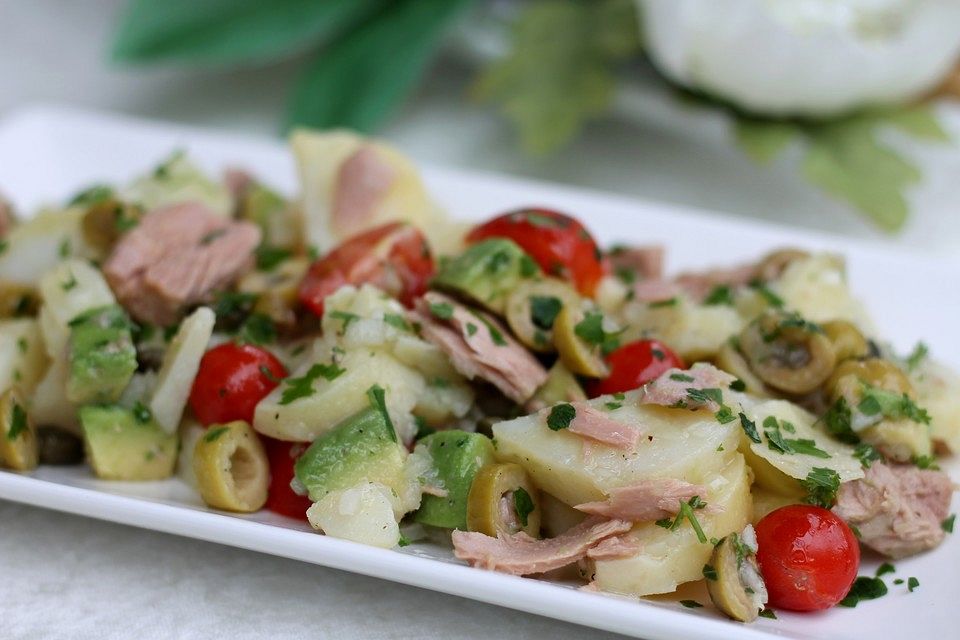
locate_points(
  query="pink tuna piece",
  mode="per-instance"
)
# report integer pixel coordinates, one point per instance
(654, 499)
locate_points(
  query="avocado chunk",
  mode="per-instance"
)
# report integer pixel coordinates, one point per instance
(102, 355)
(487, 272)
(457, 457)
(361, 448)
(127, 445)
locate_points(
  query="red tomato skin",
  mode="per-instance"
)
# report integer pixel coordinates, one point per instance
(230, 382)
(634, 365)
(280, 497)
(560, 244)
(394, 257)
(808, 557)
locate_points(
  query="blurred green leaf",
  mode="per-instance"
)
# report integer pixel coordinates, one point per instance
(763, 140)
(918, 121)
(231, 31)
(361, 78)
(559, 72)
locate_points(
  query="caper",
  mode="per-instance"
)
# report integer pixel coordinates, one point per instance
(503, 500)
(847, 340)
(57, 446)
(231, 468)
(788, 353)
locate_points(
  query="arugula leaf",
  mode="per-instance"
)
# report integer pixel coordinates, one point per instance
(361, 78)
(230, 31)
(559, 71)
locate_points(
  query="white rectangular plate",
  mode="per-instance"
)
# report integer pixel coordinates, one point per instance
(48, 153)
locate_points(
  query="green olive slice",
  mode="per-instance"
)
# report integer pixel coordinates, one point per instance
(577, 356)
(847, 340)
(733, 577)
(732, 361)
(532, 309)
(503, 500)
(231, 468)
(788, 353)
(18, 437)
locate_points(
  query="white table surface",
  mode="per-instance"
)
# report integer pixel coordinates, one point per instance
(68, 577)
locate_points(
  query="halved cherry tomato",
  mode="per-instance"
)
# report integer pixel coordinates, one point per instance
(559, 244)
(394, 257)
(231, 380)
(634, 365)
(808, 557)
(280, 497)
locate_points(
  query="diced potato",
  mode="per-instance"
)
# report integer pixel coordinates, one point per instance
(23, 360)
(320, 157)
(363, 514)
(68, 290)
(38, 244)
(48, 403)
(329, 401)
(180, 365)
(178, 180)
(695, 332)
(781, 468)
(675, 443)
(938, 391)
(670, 558)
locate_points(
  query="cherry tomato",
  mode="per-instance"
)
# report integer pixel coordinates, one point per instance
(394, 257)
(634, 365)
(808, 557)
(559, 244)
(280, 497)
(232, 379)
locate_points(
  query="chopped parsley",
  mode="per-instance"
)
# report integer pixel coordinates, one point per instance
(926, 462)
(91, 195)
(876, 401)
(591, 331)
(258, 328)
(691, 604)
(231, 307)
(947, 525)
(18, 421)
(771, 298)
(912, 583)
(866, 454)
(378, 398)
(345, 317)
(495, 334)
(64, 250)
(22, 344)
(404, 541)
(821, 485)
(884, 569)
(720, 295)
(397, 321)
(864, 588)
(142, 413)
(738, 385)
(626, 275)
(269, 257)
(211, 237)
(528, 268)
(302, 387)
(705, 396)
(802, 446)
(724, 415)
(768, 613)
(658, 354)
(213, 434)
(837, 419)
(686, 513)
(750, 428)
(544, 311)
(681, 377)
(917, 356)
(471, 329)
(441, 310)
(561, 416)
(69, 283)
(668, 302)
(612, 406)
(4, 245)
(268, 374)
(709, 572)
(523, 504)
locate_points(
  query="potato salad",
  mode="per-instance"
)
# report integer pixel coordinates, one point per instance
(354, 359)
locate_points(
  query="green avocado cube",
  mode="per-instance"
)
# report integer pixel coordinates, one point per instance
(102, 356)
(362, 448)
(127, 445)
(457, 457)
(487, 272)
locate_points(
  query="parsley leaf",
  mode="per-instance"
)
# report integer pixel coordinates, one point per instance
(591, 331)
(838, 420)
(668, 302)
(397, 321)
(947, 525)
(213, 434)
(720, 295)
(750, 428)
(142, 413)
(691, 604)
(866, 454)
(768, 613)
(917, 356)
(771, 298)
(821, 485)
(441, 310)
(268, 258)
(378, 398)
(544, 311)
(345, 317)
(686, 512)
(258, 328)
(864, 588)
(681, 377)
(912, 583)
(709, 572)
(561, 416)
(18, 421)
(926, 462)
(404, 541)
(738, 385)
(302, 387)
(884, 569)
(801, 446)
(895, 406)
(523, 504)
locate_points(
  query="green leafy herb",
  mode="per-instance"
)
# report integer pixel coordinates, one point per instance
(91, 195)
(947, 525)
(709, 572)
(821, 485)
(528, 267)
(69, 283)
(18, 421)
(268, 258)
(471, 329)
(917, 356)
(258, 328)
(864, 588)
(268, 374)
(771, 298)
(724, 415)
(686, 513)
(22, 344)
(926, 462)
(884, 569)
(768, 613)
(441, 310)
(669, 302)
(720, 295)
(64, 249)
(213, 434)
(302, 387)
(750, 428)
(404, 541)
(912, 583)
(838, 419)
(378, 398)
(898, 581)
(4, 245)
(142, 413)
(523, 504)
(612, 406)
(705, 396)
(738, 385)
(397, 321)
(544, 311)
(345, 318)
(801, 446)
(666, 523)
(591, 331)
(866, 454)
(212, 236)
(681, 377)
(691, 604)
(895, 406)
(561, 416)
(232, 308)
(495, 334)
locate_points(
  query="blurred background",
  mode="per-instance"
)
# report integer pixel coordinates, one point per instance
(839, 115)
